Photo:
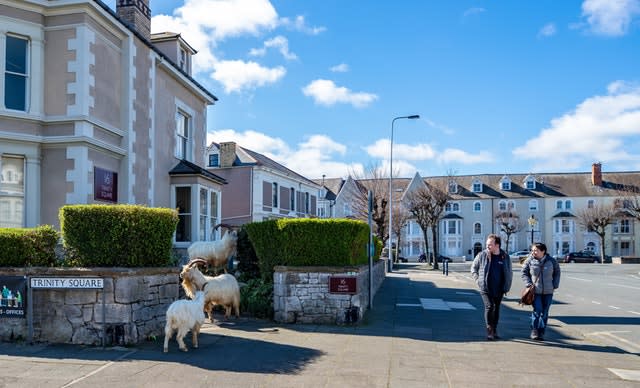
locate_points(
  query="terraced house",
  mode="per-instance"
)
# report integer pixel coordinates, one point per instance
(96, 109)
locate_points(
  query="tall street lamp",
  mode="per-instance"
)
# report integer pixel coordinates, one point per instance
(412, 117)
(532, 223)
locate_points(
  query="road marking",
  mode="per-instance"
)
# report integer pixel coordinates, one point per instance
(614, 307)
(439, 304)
(595, 302)
(408, 304)
(465, 293)
(108, 364)
(619, 342)
(626, 374)
(580, 279)
(623, 286)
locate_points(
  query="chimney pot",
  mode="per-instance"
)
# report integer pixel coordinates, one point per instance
(596, 174)
(137, 14)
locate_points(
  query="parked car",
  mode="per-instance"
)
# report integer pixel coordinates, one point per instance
(520, 255)
(584, 257)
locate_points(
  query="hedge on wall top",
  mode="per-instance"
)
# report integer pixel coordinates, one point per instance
(118, 235)
(308, 242)
(26, 247)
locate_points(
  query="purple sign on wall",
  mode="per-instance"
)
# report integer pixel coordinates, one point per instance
(105, 185)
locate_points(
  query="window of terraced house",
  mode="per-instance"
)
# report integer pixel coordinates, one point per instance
(11, 191)
(16, 73)
(292, 199)
(274, 195)
(183, 204)
(477, 228)
(208, 214)
(182, 136)
(477, 207)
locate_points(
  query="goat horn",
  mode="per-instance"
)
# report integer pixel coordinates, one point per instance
(196, 261)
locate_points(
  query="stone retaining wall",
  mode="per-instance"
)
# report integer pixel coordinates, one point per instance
(301, 294)
(135, 306)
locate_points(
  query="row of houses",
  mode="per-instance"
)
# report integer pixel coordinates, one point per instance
(96, 109)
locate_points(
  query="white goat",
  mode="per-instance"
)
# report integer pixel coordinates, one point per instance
(184, 315)
(215, 253)
(221, 290)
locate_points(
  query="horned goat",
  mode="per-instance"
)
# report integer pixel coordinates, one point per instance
(221, 290)
(215, 253)
(184, 315)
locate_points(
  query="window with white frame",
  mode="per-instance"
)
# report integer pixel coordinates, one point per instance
(452, 207)
(307, 203)
(274, 195)
(477, 228)
(505, 184)
(214, 160)
(453, 187)
(183, 60)
(511, 205)
(558, 205)
(16, 73)
(477, 206)
(563, 226)
(533, 205)
(11, 191)
(530, 183)
(622, 226)
(182, 135)
(183, 204)
(502, 206)
(477, 187)
(198, 210)
(591, 204)
(567, 204)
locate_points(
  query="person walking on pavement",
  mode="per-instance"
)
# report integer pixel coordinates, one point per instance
(543, 271)
(491, 269)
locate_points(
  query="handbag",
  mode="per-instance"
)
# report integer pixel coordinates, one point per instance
(527, 295)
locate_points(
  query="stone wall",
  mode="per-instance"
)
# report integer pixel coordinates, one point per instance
(135, 304)
(301, 294)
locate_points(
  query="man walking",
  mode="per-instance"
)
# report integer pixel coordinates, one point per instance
(491, 270)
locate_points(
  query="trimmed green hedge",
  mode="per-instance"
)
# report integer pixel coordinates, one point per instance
(25, 247)
(309, 242)
(118, 235)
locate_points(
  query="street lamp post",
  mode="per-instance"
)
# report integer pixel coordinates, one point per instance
(412, 117)
(532, 223)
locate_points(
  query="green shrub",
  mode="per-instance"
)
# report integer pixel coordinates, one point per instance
(118, 235)
(256, 298)
(247, 260)
(308, 242)
(21, 247)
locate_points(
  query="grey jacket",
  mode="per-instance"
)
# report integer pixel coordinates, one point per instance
(544, 274)
(480, 270)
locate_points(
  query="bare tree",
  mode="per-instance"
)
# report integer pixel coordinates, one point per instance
(400, 220)
(510, 223)
(427, 204)
(596, 219)
(374, 180)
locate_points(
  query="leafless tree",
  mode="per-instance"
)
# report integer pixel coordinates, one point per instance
(596, 219)
(427, 204)
(374, 180)
(510, 223)
(400, 220)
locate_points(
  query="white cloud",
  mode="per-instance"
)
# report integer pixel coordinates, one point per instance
(237, 75)
(382, 147)
(452, 155)
(601, 128)
(610, 17)
(311, 158)
(299, 24)
(325, 92)
(473, 11)
(341, 68)
(547, 30)
(280, 43)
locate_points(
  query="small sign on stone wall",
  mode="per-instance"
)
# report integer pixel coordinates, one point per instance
(12, 296)
(88, 283)
(343, 285)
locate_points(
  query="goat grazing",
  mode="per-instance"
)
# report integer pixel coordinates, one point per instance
(221, 290)
(215, 253)
(184, 315)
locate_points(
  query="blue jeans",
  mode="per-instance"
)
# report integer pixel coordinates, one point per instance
(540, 314)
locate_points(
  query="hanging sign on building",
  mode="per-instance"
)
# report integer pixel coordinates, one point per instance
(12, 296)
(105, 185)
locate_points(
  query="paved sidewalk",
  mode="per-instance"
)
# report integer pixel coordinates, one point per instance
(424, 330)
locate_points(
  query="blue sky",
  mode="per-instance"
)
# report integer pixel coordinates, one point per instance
(529, 86)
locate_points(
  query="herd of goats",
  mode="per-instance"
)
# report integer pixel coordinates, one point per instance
(205, 292)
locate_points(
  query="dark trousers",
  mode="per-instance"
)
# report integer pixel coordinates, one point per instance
(540, 313)
(491, 309)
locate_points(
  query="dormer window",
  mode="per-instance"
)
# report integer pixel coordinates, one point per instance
(214, 160)
(182, 61)
(453, 187)
(505, 183)
(477, 186)
(530, 182)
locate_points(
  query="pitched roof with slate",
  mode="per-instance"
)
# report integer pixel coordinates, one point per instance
(185, 167)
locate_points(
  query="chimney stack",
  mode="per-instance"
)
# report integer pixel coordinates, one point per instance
(596, 174)
(137, 14)
(227, 154)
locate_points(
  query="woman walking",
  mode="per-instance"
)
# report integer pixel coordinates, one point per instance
(543, 271)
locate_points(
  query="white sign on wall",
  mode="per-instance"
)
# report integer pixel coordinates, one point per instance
(88, 283)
